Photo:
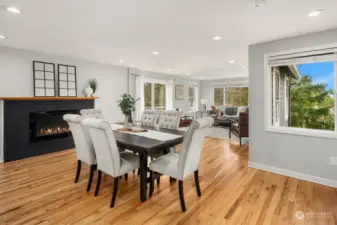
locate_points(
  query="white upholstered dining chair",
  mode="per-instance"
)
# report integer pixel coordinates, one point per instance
(92, 113)
(169, 119)
(109, 159)
(148, 117)
(84, 147)
(181, 165)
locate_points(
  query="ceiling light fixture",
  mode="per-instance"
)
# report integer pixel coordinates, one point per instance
(243, 67)
(155, 53)
(231, 61)
(121, 60)
(217, 38)
(187, 74)
(2, 36)
(169, 70)
(315, 13)
(13, 9)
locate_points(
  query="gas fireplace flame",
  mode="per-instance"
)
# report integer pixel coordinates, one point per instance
(54, 130)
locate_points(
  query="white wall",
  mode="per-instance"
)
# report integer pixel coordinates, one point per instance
(16, 78)
(296, 153)
(207, 87)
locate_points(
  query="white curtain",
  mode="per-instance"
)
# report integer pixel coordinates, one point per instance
(169, 94)
(140, 95)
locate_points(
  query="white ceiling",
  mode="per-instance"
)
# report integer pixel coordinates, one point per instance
(181, 30)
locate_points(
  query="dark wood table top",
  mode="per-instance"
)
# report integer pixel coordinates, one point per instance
(143, 144)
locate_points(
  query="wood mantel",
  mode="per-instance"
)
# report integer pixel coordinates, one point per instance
(46, 98)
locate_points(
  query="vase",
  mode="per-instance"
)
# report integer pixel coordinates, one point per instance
(128, 122)
(88, 91)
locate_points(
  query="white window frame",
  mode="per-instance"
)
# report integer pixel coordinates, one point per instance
(276, 103)
(196, 98)
(224, 91)
(286, 100)
(269, 127)
(167, 92)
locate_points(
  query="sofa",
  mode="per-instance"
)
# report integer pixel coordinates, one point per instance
(230, 112)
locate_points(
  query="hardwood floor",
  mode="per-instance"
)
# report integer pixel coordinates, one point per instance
(41, 190)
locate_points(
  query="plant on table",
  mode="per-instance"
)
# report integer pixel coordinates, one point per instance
(127, 105)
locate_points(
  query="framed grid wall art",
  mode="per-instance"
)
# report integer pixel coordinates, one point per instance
(67, 80)
(44, 79)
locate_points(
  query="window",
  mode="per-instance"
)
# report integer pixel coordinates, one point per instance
(236, 96)
(148, 95)
(160, 96)
(302, 92)
(155, 96)
(276, 96)
(286, 102)
(193, 98)
(218, 96)
(233, 96)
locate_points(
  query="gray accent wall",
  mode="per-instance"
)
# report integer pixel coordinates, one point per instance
(297, 153)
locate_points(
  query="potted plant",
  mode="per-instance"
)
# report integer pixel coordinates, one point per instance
(91, 88)
(127, 105)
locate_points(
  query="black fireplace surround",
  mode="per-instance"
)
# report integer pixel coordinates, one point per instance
(34, 128)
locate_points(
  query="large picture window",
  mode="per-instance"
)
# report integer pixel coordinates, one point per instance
(219, 96)
(302, 92)
(236, 96)
(154, 96)
(233, 96)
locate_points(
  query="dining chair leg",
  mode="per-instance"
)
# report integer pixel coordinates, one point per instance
(78, 170)
(91, 174)
(126, 176)
(181, 195)
(114, 194)
(151, 183)
(158, 181)
(197, 185)
(99, 178)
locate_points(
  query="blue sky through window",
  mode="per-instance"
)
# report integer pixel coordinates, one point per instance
(322, 72)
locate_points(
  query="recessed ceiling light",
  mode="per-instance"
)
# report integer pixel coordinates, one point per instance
(231, 61)
(155, 53)
(121, 60)
(315, 13)
(217, 38)
(2, 36)
(243, 67)
(169, 70)
(13, 10)
(187, 73)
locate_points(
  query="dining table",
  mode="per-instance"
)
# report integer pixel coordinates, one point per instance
(143, 143)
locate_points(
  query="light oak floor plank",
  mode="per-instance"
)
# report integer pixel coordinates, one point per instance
(41, 190)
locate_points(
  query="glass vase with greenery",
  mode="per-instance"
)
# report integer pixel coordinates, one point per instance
(127, 105)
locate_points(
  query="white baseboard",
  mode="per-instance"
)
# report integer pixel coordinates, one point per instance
(289, 173)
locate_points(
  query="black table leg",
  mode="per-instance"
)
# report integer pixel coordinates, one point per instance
(143, 176)
(230, 130)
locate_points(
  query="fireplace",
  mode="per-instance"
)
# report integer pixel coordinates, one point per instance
(48, 125)
(25, 117)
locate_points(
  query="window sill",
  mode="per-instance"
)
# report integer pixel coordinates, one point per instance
(303, 132)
